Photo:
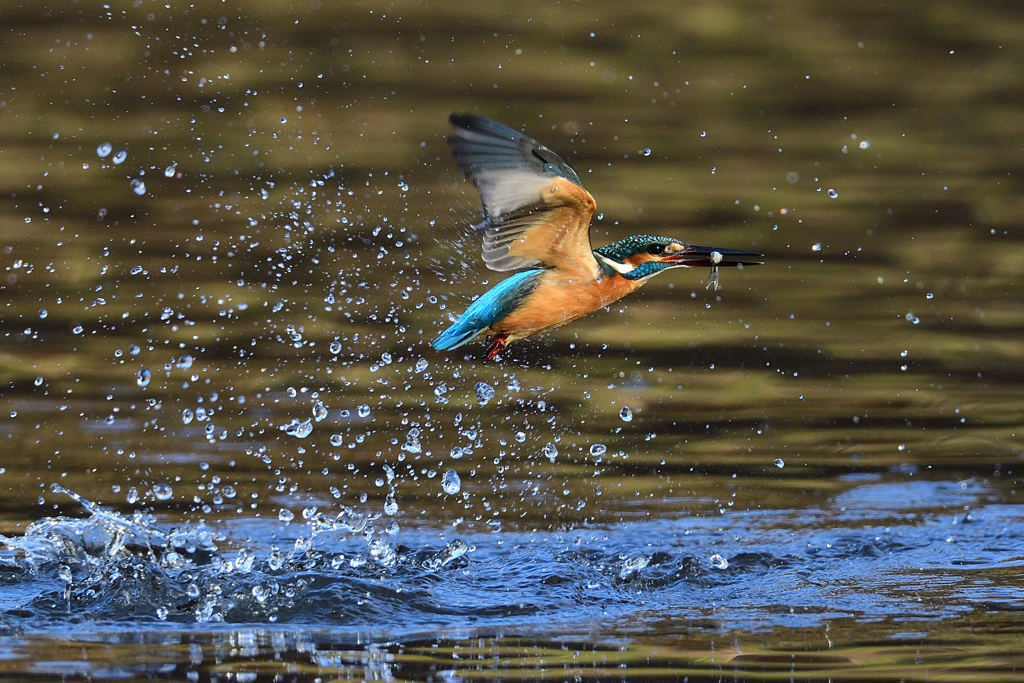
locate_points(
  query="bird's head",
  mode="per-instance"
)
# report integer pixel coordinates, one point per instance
(643, 256)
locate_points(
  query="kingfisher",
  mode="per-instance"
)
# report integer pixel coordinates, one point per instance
(536, 219)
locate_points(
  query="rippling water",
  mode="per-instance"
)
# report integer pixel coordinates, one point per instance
(230, 454)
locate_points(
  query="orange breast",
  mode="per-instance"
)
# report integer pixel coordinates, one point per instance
(560, 299)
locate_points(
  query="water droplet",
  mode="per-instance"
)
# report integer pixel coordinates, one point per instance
(335, 347)
(450, 482)
(138, 187)
(598, 449)
(187, 415)
(363, 410)
(104, 149)
(412, 441)
(626, 414)
(550, 451)
(422, 365)
(779, 463)
(456, 453)
(703, 133)
(170, 171)
(319, 411)
(244, 559)
(136, 270)
(646, 151)
(390, 504)
(299, 429)
(633, 565)
(119, 156)
(39, 381)
(77, 329)
(162, 613)
(382, 551)
(484, 393)
(285, 515)
(336, 440)
(42, 313)
(452, 551)
(719, 562)
(816, 246)
(277, 558)
(133, 496)
(143, 377)
(864, 144)
(832, 193)
(185, 362)
(163, 491)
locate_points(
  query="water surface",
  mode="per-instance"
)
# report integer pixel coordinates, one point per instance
(229, 232)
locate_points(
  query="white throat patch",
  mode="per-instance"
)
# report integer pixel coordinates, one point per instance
(622, 268)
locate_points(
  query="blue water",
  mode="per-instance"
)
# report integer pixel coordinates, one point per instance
(904, 551)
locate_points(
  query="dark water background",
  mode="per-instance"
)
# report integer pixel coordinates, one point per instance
(817, 475)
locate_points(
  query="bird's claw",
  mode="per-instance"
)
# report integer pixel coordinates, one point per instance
(495, 345)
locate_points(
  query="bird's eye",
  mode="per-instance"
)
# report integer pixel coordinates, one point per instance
(656, 249)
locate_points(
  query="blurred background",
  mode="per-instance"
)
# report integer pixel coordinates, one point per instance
(229, 231)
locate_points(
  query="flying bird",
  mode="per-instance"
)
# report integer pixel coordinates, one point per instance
(537, 221)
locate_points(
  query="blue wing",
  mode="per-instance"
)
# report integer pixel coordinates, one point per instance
(493, 305)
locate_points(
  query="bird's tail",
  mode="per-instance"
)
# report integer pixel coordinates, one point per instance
(455, 336)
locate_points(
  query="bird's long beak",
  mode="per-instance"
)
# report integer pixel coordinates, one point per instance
(696, 256)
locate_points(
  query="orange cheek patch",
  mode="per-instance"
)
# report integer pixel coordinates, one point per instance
(640, 259)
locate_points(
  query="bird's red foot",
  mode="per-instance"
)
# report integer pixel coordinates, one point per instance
(495, 345)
